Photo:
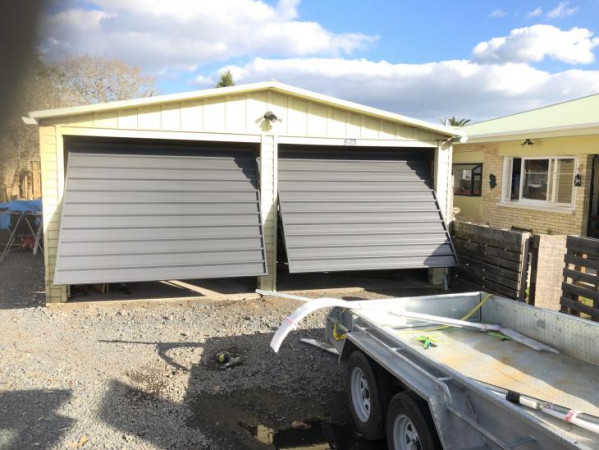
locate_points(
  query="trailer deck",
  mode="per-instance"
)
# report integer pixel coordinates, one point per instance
(559, 379)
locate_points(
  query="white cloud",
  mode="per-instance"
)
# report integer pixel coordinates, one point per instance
(561, 11)
(535, 43)
(535, 12)
(498, 14)
(428, 91)
(181, 34)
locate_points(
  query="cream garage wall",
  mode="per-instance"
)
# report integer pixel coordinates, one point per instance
(471, 208)
(237, 118)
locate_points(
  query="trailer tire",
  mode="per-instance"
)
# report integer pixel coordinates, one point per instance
(368, 396)
(410, 424)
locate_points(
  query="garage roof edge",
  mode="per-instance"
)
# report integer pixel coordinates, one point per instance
(240, 89)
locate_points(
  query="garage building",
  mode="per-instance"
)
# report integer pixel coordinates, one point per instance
(191, 186)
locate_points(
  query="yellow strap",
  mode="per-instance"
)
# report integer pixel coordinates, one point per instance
(466, 317)
(337, 336)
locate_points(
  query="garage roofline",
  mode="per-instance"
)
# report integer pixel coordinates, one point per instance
(35, 116)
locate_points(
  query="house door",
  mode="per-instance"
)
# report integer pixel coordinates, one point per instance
(593, 224)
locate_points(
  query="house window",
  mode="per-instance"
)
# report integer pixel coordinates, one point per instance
(539, 181)
(467, 179)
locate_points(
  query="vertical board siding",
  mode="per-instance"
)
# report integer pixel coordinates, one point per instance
(50, 158)
(297, 117)
(192, 115)
(171, 116)
(150, 118)
(268, 180)
(244, 113)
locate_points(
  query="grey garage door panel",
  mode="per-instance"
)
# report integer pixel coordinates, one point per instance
(362, 218)
(338, 265)
(70, 222)
(360, 210)
(349, 195)
(335, 187)
(161, 246)
(365, 250)
(117, 161)
(149, 196)
(140, 261)
(361, 240)
(371, 229)
(163, 186)
(160, 273)
(167, 209)
(135, 216)
(358, 207)
(161, 174)
(160, 234)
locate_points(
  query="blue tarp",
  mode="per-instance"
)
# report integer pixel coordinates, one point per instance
(17, 206)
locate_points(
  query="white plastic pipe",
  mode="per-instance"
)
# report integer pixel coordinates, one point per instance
(291, 322)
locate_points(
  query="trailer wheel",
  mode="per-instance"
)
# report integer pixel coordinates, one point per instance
(367, 398)
(410, 425)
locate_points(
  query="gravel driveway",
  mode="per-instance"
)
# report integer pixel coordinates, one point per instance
(144, 375)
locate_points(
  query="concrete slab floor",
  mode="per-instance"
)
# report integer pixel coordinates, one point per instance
(372, 284)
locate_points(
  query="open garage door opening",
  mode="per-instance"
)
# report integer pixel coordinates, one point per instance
(362, 212)
(137, 212)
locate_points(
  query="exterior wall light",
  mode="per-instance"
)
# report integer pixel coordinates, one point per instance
(527, 142)
(578, 180)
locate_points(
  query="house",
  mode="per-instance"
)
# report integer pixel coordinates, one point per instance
(535, 170)
(191, 186)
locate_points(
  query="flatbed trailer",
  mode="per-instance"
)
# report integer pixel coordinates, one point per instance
(467, 391)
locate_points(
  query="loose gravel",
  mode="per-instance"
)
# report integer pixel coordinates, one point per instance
(144, 375)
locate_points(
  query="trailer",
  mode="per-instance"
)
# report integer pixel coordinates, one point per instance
(423, 385)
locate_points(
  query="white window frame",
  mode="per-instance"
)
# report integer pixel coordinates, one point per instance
(508, 165)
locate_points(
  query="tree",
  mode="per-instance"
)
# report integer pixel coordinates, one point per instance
(90, 79)
(75, 81)
(453, 122)
(225, 80)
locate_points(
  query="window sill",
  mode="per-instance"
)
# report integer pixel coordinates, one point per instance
(551, 209)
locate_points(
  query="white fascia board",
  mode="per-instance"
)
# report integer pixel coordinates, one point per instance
(244, 88)
(549, 132)
(125, 104)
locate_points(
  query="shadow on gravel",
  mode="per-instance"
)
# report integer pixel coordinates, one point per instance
(29, 419)
(292, 400)
(162, 348)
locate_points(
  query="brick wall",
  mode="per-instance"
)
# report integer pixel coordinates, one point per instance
(541, 222)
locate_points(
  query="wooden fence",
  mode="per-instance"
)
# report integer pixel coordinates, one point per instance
(491, 260)
(580, 294)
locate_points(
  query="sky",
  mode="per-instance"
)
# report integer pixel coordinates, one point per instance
(472, 59)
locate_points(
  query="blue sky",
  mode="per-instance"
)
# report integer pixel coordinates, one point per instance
(432, 59)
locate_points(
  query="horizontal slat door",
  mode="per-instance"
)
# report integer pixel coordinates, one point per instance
(143, 212)
(360, 210)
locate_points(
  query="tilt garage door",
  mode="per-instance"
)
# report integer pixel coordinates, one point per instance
(360, 210)
(150, 212)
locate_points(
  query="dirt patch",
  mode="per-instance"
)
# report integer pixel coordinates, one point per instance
(263, 419)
